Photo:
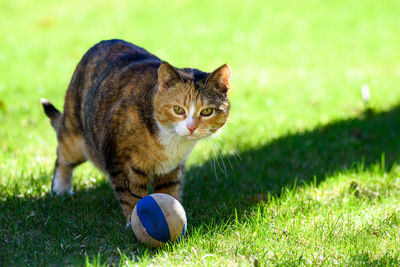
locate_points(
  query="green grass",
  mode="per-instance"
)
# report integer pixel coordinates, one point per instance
(304, 173)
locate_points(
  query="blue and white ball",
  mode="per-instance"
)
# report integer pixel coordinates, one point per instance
(157, 219)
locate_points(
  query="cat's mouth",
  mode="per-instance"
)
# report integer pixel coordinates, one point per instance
(186, 134)
(193, 137)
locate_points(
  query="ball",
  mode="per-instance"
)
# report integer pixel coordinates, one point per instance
(158, 219)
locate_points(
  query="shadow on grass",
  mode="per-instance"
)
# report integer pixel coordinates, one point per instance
(61, 231)
(42, 230)
(296, 158)
(361, 259)
(365, 260)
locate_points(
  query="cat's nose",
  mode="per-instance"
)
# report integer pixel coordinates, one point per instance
(191, 127)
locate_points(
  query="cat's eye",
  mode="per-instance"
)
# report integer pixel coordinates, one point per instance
(178, 110)
(206, 112)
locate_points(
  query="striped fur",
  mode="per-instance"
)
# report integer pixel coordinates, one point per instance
(119, 114)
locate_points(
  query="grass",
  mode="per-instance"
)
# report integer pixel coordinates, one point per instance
(304, 174)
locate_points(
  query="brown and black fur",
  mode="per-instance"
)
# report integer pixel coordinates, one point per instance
(110, 120)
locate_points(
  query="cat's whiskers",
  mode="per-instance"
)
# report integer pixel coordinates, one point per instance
(213, 159)
(221, 156)
(233, 151)
(217, 154)
(219, 149)
(222, 159)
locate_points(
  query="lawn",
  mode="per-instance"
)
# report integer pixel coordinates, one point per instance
(305, 173)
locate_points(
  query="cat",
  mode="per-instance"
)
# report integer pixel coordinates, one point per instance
(136, 118)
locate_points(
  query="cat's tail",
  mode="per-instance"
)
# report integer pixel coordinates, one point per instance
(51, 112)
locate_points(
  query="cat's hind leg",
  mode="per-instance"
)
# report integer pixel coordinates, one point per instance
(70, 153)
(70, 150)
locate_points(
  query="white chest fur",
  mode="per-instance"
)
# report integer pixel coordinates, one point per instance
(176, 149)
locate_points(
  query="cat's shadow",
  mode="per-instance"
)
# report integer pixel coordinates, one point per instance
(92, 222)
(297, 158)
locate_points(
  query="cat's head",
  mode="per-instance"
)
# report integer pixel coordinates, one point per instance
(190, 103)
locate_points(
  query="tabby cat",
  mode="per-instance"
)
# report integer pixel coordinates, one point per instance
(136, 118)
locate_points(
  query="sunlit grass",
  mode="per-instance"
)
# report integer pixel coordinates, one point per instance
(305, 173)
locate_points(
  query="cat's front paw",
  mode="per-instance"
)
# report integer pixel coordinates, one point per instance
(57, 193)
(61, 188)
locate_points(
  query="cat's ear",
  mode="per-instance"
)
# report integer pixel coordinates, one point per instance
(167, 76)
(220, 78)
